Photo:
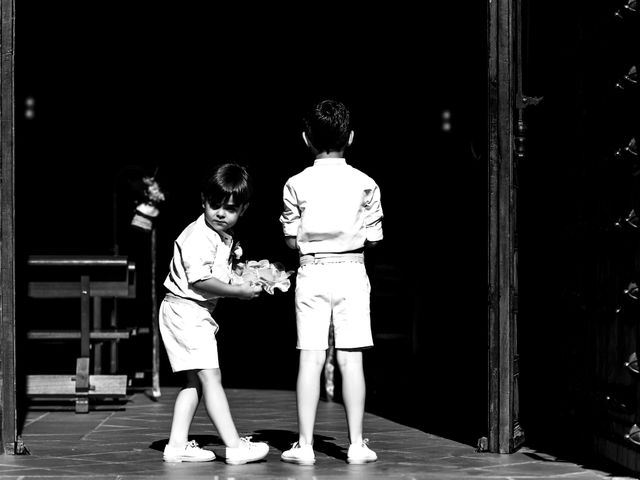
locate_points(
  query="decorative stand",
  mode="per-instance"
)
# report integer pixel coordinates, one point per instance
(155, 330)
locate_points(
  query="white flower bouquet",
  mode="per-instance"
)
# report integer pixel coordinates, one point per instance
(269, 275)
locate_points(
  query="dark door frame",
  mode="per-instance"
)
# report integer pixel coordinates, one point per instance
(505, 139)
(7, 237)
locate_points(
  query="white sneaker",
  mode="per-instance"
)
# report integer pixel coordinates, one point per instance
(360, 453)
(247, 451)
(191, 452)
(300, 454)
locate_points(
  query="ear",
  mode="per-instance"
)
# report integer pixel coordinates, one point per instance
(243, 209)
(203, 200)
(306, 140)
(350, 141)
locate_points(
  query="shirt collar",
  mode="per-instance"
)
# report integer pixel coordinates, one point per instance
(226, 237)
(329, 161)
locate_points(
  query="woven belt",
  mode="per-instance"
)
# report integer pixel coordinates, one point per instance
(320, 258)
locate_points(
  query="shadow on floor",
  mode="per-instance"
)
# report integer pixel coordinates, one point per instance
(283, 439)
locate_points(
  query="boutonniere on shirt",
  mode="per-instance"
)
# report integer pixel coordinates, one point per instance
(236, 254)
(236, 251)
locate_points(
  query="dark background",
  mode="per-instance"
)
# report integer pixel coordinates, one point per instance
(574, 262)
(123, 89)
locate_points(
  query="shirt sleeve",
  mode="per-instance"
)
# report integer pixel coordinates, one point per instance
(373, 214)
(290, 218)
(198, 258)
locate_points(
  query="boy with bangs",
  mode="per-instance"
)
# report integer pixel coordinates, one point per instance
(199, 275)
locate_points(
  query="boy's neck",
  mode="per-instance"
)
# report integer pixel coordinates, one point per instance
(339, 154)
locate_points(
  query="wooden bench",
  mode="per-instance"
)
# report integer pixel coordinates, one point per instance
(89, 278)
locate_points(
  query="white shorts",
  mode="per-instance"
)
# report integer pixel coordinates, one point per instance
(189, 335)
(333, 289)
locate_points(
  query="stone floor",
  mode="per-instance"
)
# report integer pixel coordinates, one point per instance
(127, 442)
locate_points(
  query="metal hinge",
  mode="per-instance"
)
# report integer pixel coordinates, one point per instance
(522, 101)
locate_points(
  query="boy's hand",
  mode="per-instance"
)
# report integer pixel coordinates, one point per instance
(248, 291)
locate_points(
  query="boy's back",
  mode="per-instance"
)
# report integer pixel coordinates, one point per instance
(333, 201)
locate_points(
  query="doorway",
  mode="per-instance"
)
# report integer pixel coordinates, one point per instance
(169, 92)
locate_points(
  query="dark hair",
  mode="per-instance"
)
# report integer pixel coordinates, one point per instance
(226, 180)
(328, 126)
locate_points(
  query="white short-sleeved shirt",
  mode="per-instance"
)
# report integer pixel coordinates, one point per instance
(199, 253)
(331, 207)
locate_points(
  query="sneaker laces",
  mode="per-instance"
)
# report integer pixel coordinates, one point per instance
(246, 442)
(192, 444)
(295, 445)
(364, 443)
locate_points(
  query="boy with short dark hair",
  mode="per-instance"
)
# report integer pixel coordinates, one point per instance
(199, 275)
(332, 211)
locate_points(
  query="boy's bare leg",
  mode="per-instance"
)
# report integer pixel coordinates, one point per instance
(310, 368)
(353, 391)
(215, 401)
(184, 409)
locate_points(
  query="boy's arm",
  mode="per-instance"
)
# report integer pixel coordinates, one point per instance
(373, 217)
(290, 218)
(220, 289)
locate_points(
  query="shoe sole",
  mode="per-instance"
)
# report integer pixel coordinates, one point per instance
(184, 459)
(242, 462)
(298, 462)
(359, 461)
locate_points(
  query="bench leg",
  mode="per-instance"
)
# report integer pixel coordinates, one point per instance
(113, 346)
(82, 363)
(85, 315)
(82, 385)
(97, 325)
